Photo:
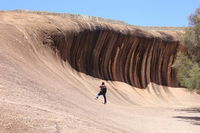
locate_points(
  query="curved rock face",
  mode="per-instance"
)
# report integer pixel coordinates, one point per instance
(40, 91)
(129, 56)
(108, 51)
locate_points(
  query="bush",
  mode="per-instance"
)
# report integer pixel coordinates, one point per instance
(187, 64)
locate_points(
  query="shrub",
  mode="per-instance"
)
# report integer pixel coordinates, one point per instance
(187, 64)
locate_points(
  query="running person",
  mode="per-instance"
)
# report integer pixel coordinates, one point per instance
(102, 92)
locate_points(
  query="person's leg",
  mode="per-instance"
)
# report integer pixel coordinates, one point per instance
(98, 95)
(104, 95)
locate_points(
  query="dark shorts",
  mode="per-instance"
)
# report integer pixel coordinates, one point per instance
(102, 93)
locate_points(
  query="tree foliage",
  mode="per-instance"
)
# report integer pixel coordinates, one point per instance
(187, 64)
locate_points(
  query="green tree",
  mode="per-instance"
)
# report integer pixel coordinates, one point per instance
(187, 63)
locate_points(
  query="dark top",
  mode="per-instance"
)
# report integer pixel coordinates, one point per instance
(103, 89)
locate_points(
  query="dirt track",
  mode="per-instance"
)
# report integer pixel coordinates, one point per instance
(41, 93)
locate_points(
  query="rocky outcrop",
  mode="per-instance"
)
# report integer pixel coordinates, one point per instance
(104, 50)
(129, 55)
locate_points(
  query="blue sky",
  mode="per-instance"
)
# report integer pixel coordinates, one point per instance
(136, 12)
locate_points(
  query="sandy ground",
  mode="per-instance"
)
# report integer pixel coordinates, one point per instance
(39, 93)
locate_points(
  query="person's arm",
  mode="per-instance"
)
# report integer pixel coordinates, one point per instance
(101, 87)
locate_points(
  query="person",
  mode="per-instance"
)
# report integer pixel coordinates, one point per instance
(103, 90)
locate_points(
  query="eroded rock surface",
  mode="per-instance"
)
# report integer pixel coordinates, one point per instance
(107, 51)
